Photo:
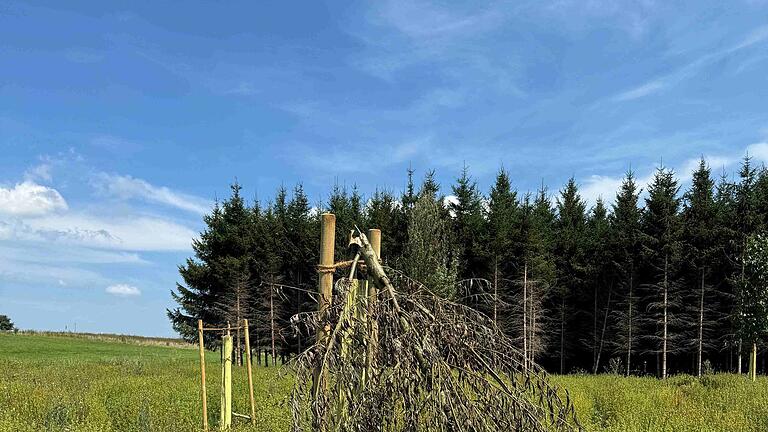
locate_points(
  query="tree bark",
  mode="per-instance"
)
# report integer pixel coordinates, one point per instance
(701, 325)
(602, 335)
(272, 320)
(495, 290)
(629, 319)
(664, 330)
(525, 315)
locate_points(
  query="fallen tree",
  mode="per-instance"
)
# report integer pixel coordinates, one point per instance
(434, 365)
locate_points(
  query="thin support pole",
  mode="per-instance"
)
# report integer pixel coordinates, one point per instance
(325, 283)
(753, 362)
(203, 394)
(225, 422)
(250, 371)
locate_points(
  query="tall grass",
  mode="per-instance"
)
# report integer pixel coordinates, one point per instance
(63, 383)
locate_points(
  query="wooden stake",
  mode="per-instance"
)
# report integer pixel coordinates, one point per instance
(325, 281)
(753, 362)
(250, 371)
(225, 421)
(203, 395)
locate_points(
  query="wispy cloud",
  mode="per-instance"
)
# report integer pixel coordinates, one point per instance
(123, 290)
(126, 187)
(690, 69)
(642, 91)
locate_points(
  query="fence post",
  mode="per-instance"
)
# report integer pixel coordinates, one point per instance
(226, 383)
(250, 373)
(203, 395)
(325, 278)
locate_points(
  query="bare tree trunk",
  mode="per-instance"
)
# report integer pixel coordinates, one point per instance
(738, 361)
(664, 324)
(742, 280)
(753, 361)
(629, 318)
(495, 290)
(272, 320)
(525, 315)
(562, 334)
(594, 328)
(701, 325)
(238, 361)
(602, 335)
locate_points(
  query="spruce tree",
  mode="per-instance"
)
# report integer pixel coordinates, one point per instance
(222, 255)
(599, 278)
(625, 246)
(700, 249)
(569, 250)
(429, 256)
(503, 218)
(661, 231)
(538, 274)
(384, 213)
(467, 223)
(744, 224)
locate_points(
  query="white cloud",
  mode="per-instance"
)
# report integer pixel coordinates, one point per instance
(598, 186)
(30, 199)
(759, 151)
(132, 233)
(127, 187)
(715, 163)
(123, 290)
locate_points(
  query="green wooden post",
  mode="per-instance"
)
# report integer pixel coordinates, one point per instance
(225, 421)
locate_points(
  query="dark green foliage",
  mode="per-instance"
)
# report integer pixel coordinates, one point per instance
(224, 249)
(6, 324)
(570, 261)
(466, 211)
(596, 278)
(664, 323)
(625, 248)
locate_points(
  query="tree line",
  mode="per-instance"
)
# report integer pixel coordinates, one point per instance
(657, 283)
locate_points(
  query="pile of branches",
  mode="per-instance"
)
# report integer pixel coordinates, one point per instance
(416, 362)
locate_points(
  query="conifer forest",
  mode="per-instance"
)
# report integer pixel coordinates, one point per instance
(665, 278)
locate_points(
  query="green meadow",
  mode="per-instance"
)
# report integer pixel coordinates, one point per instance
(75, 383)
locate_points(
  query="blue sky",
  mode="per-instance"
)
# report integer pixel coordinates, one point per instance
(121, 123)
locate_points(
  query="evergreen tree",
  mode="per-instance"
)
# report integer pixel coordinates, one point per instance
(503, 218)
(467, 222)
(538, 273)
(744, 224)
(223, 250)
(384, 213)
(569, 250)
(599, 278)
(349, 213)
(699, 251)
(429, 258)
(725, 264)
(625, 226)
(661, 259)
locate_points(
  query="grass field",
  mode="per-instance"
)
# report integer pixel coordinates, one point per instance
(62, 383)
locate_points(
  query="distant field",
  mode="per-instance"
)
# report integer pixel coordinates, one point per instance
(65, 383)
